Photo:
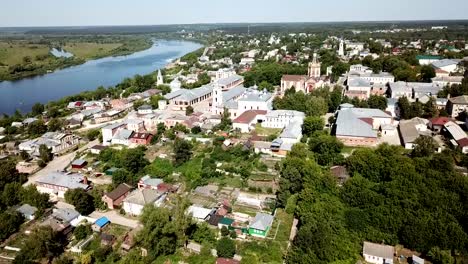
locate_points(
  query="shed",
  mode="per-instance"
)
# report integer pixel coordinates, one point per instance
(79, 164)
(100, 224)
(27, 211)
(111, 171)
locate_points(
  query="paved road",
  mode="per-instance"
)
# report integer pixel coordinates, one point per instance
(116, 218)
(58, 163)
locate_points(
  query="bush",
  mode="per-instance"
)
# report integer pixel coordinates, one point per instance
(82, 231)
(226, 248)
(224, 231)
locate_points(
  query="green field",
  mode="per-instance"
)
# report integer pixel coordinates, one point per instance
(25, 58)
(89, 50)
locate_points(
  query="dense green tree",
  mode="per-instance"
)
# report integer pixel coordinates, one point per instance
(122, 176)
(9, 224)
(134, 159)
(45, 153)
(82, 201)
(439, 256)
(189, 110)
(93, 134)
(425, 146)
(37, 109)
(327, 149)
(82, 232)
(8, 173)
(203, 234)
(377, 102)
(159, 234)
(54, 124)
(37, 128)
(42, 243)
(312, 124)
(182, 151)
(427, 73)
(226, 247)
(11, 193)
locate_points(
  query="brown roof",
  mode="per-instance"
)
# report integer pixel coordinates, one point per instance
(118, 192)
(294, 78)
(463, 142)
(141, 135)
(248, 116)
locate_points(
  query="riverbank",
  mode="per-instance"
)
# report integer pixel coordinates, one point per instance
(81, 81)
(20, 59)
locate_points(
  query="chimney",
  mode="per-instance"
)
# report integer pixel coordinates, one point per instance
(85, 180)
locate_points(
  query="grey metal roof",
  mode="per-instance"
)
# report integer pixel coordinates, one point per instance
(123, 134)
(292, 130)
(233, 93)
(189, 95)
(151, 181)
(26, 210)
(114, 126)
(229, 80)
(459, 99)
(350, 122)
(174, 94)
(444, 63)
(358, 82)
(143, 197)
(378, 250)
(65, 214)
(408, 131)
(70, 181)
(262, 221)
(252, 95)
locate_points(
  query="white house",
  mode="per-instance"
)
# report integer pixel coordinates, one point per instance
(199, 213)
(447, 65)
(134, 203)
(377, 253)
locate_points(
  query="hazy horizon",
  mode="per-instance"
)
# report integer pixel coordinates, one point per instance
(55, 13)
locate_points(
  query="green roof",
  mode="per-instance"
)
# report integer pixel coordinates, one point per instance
(226, 221)
(428, 57)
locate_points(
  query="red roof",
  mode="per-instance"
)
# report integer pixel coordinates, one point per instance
(440, 71)
(440, 121)
(463, 142)
(227, 261)
(369, 121)
(248, 116)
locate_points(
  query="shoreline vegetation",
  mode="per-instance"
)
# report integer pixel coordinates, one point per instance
(21, 59)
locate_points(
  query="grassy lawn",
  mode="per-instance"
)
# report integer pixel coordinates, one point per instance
(262, 131)
(284, 229)
(266, 251)
(13, 53)
(89, 50)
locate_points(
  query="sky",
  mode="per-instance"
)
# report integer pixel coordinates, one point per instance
(15, 13)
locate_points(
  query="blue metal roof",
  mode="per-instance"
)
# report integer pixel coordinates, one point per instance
(101, 222)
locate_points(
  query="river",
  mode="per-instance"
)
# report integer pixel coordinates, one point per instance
(109, 71)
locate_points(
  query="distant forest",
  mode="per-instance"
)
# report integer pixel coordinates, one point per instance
(254, 28)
